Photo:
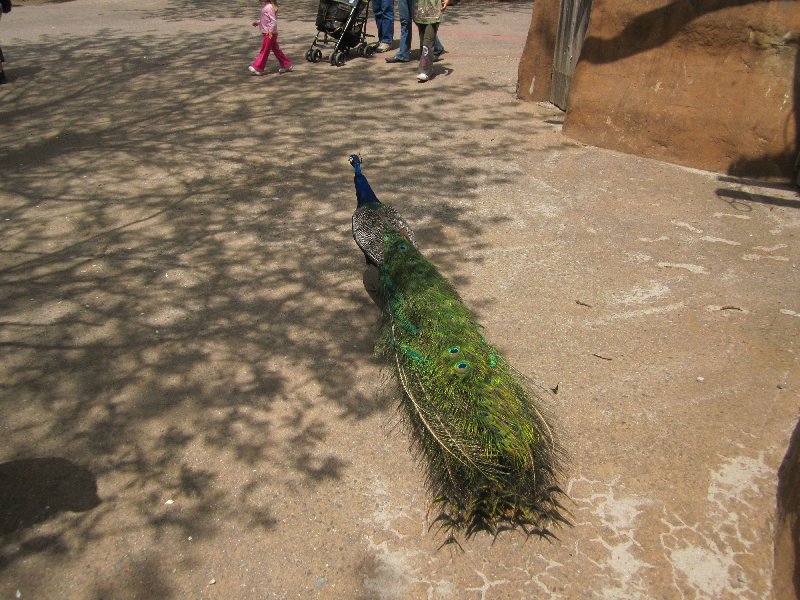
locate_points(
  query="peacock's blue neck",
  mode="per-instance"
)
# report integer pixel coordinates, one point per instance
(364, 193)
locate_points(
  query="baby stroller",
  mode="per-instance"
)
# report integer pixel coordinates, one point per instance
(343, 23)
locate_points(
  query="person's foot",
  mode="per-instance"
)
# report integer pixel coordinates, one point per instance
(2, 77)
(423, 77)
(254, 71)
(397, 59)
(383, 47)
(288, 69)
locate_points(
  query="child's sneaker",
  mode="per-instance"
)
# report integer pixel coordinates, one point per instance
(423, 77)
(253, 70)
(286, 69)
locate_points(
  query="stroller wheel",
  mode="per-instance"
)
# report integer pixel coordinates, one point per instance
(316, 55)
(341, 58)
(309, 53)
(369, 51)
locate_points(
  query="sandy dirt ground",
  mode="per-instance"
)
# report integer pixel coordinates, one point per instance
(189, 405)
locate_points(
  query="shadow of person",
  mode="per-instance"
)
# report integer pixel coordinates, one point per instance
(34, 489)
(13, 72)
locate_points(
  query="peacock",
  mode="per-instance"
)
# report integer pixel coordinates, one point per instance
(476, 424)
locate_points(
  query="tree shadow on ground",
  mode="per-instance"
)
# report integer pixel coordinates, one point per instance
(181, 296)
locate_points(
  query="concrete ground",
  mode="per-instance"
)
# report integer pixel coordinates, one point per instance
(189, 406)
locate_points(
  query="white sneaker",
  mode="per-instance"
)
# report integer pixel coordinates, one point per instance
(286, 70)
(383, 47)
(423, 77)
(252, 69)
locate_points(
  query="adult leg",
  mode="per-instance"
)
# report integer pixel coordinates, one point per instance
(260, 63)
(438, 48)
(389, 12)
(377, 13)
(383, 10)
(284, 62)
(405, 10)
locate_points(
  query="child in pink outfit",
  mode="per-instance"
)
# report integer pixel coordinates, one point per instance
(268, 24)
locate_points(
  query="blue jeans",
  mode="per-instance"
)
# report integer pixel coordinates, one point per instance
(406, 10)
(384, 19)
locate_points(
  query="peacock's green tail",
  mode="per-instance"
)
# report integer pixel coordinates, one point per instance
(490, 454)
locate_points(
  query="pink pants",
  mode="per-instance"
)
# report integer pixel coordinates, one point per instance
(270, 44)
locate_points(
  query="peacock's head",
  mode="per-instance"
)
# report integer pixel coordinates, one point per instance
(355, 161)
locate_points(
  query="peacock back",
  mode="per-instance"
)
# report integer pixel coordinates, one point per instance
(370, 222)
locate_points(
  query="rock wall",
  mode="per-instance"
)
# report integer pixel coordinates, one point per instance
(711, 84)
(786, 578)
(536, 65)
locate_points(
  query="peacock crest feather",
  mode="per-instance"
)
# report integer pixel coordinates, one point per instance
(489, 452)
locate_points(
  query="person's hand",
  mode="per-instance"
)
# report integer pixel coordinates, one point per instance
(444, 4)
(269, 35)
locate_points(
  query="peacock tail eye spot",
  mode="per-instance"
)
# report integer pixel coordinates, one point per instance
(462, 367)
(402, 246)
(454, 350)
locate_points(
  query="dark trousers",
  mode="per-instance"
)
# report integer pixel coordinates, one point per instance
(427, 38)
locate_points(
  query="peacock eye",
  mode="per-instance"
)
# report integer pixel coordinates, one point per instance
(462, 367)
(454, 350)
(402, 246)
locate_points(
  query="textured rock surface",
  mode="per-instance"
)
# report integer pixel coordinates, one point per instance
(709, 84)
(536, 64)
(786, 580)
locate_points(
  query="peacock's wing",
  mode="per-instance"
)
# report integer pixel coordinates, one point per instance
(490, 453)
(371, 222)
